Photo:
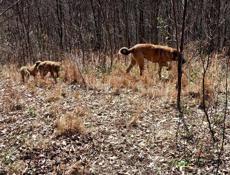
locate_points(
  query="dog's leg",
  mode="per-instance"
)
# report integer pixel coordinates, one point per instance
(57, 73)
(141, 66)
(133, 62)
(26, 76)
(159, 70)
(53, 75)
(169, 66)
(57, 69)
(23, 77)
(43, 73)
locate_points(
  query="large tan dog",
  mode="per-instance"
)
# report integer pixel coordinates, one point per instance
(154, 53)
(49, 66)
(27, 71)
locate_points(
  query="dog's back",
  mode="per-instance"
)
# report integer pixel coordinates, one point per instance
(49, 66)
(154, 53)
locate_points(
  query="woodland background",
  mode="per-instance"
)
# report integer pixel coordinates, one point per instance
(99, 120)
(33, 29)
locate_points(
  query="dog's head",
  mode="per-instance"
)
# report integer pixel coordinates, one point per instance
(177, 56)
(183, 61)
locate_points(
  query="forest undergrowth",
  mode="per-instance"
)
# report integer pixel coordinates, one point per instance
(104, 121)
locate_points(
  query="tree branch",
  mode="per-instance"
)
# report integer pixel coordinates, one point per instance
(10, 7)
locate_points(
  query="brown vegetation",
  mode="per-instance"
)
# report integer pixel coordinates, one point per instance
(69, 124)
(138, 125)
(128, 113)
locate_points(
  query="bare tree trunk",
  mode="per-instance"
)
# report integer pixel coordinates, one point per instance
(205, 65)
(221, 151)
(141, 30)
(127, 38)
(154, 21)
(60, 17)
(181, 115)
(97, 25)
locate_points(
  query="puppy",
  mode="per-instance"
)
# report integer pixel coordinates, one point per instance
(27, 71)
(49, 66)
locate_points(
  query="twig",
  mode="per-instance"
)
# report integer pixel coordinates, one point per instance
(83, 79)
(10, 7)
(205, 68)
(175, 22)
(224, 119)
(181, 116)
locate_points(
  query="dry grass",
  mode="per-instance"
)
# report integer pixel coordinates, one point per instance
(69, 124)
(18, 167)
(136, 116)
(121, 81)
(78, 168)
(148, 85)
(133, 121)
(10, 99)
(71, 72)
(11, 71)
(55, 94)
(114, 84)
(213, 80)
(81, 111)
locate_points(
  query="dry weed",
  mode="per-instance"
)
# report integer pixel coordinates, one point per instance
(69, 124)
(209, 94)
(81, 112)
(31, 86)
(44, 83)
(133, 121)
(78, 168)
(71, 72)
(56, 94)
(92, 80)
(54, 110)
(18, 167)
(11, 71)
(122, 81)
(11, 98)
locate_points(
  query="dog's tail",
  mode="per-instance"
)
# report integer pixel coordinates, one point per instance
(125, 51)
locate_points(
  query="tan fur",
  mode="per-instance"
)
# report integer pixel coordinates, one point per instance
(154, 53)
(49, 66)
(27, 71)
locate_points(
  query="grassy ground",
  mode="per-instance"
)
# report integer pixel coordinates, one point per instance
(119, 124)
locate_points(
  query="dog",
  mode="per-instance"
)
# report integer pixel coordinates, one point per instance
(154, 53)
(53, 67)
(27, 71)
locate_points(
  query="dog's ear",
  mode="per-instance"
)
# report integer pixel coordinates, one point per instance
(183, 61)
(37, 63)
(175, 55)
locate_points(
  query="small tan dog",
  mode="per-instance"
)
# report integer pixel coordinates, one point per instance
(49, 66)
(27, 71)
(154, 53)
